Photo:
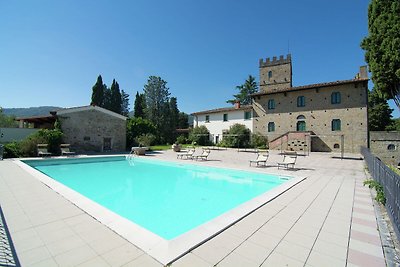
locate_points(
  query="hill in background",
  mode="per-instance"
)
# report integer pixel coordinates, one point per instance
(28, 112)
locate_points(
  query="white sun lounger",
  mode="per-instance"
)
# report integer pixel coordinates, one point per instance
(202, 156)
(42, 150)
(187, 154)
(261, 158)
(289, 160)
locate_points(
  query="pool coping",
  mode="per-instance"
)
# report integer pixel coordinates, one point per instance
(164, 251)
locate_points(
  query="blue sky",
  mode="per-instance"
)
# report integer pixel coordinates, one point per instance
(53, 51)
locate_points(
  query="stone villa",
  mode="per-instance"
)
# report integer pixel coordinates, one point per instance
(326, 117)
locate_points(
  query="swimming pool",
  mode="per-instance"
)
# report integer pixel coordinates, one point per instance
(171, 201)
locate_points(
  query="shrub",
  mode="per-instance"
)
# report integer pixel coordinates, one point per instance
(237, 136)
(12, 150)
(181, 139)
(200, 135)
(137, 127)
(146, 139)
(51, 137)
(380, 194)
(259, 141)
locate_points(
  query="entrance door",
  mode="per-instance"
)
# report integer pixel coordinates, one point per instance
(106, 144)
(301, 126)
(217, 139)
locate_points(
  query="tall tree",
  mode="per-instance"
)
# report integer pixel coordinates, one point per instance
(173, 111)
(245, 90)
(379, 113)
(157, 94)
(98, 92)
(107, 97)
(183, 120)
(139, 106)
(124, 103)
(382, 46)
(115, 97)
(173, 118)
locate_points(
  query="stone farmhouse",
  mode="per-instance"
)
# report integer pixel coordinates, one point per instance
(322, 117)
(87, 129)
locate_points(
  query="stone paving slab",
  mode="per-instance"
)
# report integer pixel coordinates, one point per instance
(326, 220)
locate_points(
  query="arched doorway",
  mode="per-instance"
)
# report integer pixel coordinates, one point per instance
(301, 123)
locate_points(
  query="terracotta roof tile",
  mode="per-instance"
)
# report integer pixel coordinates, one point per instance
(217, 110)
(310, 86)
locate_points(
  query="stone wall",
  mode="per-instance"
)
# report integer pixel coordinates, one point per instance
(15, 134)
(318, 114)
(90, 130)
(386, 146)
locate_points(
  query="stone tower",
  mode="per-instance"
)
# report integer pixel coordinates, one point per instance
(275, 74)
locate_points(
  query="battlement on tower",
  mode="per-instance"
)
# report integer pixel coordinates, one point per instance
(275, 61)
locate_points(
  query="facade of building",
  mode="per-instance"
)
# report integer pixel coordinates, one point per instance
(93, 129)
(319, 117)
(386, 146)
(220, 120)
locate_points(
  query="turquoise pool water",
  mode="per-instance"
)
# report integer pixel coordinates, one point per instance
(166, 198)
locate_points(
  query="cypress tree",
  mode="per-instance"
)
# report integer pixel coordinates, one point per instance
(124, 103)
(98, 92)
(139, 106)
(115, 98)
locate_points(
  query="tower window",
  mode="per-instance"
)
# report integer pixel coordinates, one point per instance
(336, 125)
(335, 98)
(271, 126)
(269, 75)
(271, 104)
(301, 101)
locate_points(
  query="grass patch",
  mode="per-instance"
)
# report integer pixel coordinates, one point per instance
(393, 168)
(160, 147)
(380, 195)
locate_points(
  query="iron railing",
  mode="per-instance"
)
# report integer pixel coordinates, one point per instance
(391, 186)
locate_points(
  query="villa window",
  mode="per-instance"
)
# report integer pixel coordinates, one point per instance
(225, 117)
(335, 98)
(271, 126)
(301, 117)
(247, 115)
(207, 118)
(301, 101)
(336, 125)
(271, 104)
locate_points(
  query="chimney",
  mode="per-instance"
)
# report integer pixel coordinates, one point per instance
(237, 104)
(363, 72)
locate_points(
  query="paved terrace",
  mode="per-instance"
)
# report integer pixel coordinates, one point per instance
(326, 220)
